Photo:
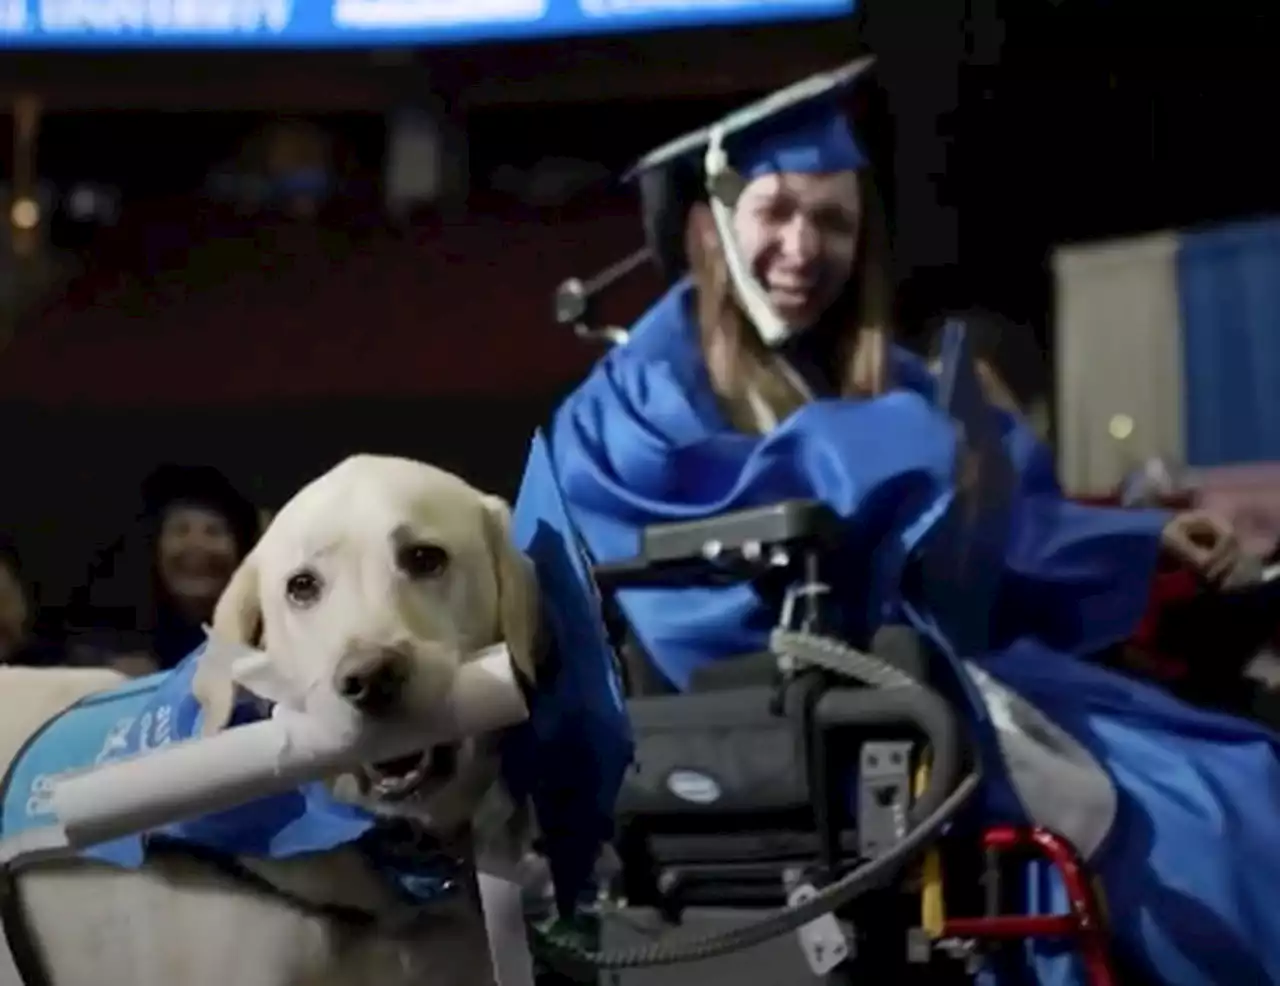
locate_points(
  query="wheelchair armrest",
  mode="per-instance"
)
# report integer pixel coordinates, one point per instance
(790, 524)
(735, 546)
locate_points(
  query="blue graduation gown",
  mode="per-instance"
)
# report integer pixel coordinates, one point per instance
(1190, 863)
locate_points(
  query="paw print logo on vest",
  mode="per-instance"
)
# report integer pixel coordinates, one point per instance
(116, 740)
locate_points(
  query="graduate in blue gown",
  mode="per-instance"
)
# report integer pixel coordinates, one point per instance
(768, 373)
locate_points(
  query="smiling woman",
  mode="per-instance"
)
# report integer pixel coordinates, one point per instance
(146, 600)
(196, 553)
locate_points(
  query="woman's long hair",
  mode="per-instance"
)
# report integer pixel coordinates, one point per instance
(745, 375)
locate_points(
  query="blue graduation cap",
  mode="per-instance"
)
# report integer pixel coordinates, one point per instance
(963, 563)
(800, 128)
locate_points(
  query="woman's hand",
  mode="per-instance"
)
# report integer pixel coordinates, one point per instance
(1205, 542)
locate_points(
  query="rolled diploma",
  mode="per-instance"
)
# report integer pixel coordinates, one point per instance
(198, 777)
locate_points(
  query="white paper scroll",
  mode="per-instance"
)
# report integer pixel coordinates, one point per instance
(303, 741)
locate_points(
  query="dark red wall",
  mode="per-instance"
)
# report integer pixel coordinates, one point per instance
(208, 310)
(272, 351)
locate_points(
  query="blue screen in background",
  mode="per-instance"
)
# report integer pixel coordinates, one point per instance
(365, 23)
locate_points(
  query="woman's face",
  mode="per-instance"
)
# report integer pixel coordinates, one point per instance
(13, 613)
(798, 234)
(196, 554)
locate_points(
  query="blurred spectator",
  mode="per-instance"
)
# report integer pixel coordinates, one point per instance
(288, 165)
(18, 641)
(14, 609)
(147, 600)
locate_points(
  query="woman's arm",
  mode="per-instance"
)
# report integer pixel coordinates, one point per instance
(1078, 576)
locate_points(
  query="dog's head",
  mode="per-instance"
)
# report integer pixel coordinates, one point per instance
(378, 580)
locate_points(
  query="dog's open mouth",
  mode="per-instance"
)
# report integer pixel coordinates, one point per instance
(405, 776)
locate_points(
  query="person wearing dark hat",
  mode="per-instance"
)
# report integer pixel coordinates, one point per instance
(28, 637)
(20, 643)
(767, 373)
(15, 608)
(148, 598)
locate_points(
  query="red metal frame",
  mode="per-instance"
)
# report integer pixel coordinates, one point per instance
(1083, 921)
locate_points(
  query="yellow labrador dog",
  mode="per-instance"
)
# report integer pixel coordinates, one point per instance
(376, 581)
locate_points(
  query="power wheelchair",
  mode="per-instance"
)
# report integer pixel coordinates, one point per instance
(741, 800)
(796, 773)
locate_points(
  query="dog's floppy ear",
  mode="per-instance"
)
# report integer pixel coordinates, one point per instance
(237, 619)
(518, 613)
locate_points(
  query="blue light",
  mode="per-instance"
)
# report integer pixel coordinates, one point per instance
(104, 24)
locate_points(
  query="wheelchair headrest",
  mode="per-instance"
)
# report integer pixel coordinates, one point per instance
(666, 196)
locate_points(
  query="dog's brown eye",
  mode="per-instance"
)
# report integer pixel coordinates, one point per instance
(303, 588)
(422, 561)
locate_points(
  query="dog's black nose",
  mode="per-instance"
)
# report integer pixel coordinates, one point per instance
(374, 685)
